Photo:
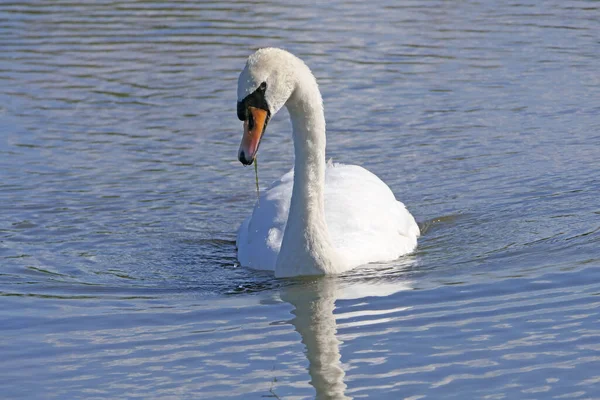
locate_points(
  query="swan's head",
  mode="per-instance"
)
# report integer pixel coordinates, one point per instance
(264, 86)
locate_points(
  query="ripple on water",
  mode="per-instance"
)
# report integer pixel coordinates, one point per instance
(120, 196)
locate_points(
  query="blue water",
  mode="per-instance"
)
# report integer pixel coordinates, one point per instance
(121, 194)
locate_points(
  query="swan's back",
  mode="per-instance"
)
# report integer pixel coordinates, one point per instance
(365, 221)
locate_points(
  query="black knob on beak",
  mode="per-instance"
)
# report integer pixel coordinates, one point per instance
(243, 159)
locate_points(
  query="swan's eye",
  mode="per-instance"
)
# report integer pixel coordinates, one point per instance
(255, 99)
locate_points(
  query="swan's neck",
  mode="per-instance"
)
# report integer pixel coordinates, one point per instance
(308, 197)
(306, 248)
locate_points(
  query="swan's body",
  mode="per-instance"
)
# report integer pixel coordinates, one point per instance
(364, 220)
(318, 218)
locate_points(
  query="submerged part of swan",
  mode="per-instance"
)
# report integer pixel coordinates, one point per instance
(318, 218)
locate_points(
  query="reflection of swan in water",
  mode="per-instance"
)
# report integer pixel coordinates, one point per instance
(315, 322)
(314, 302)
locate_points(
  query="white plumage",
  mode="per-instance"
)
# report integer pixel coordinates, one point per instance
(366, 223)
(334, 217)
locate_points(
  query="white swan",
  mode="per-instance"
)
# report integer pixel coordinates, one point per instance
(318, 218)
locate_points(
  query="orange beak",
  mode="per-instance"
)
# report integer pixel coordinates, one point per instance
(254, 127)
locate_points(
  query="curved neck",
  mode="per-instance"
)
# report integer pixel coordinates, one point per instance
(308, 123)
(306, 246)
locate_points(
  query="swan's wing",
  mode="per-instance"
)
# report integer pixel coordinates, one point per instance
(259, 237)
(365, 221)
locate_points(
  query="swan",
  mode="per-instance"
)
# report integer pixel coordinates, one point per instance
(320, 218)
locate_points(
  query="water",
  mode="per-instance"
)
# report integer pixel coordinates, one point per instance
(121, 194)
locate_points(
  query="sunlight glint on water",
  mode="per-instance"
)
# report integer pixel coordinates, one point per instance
(121, 194)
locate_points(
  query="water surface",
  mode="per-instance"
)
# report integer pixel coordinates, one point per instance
(121, 194)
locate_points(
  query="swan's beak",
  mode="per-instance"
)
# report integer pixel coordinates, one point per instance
(254, 128)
